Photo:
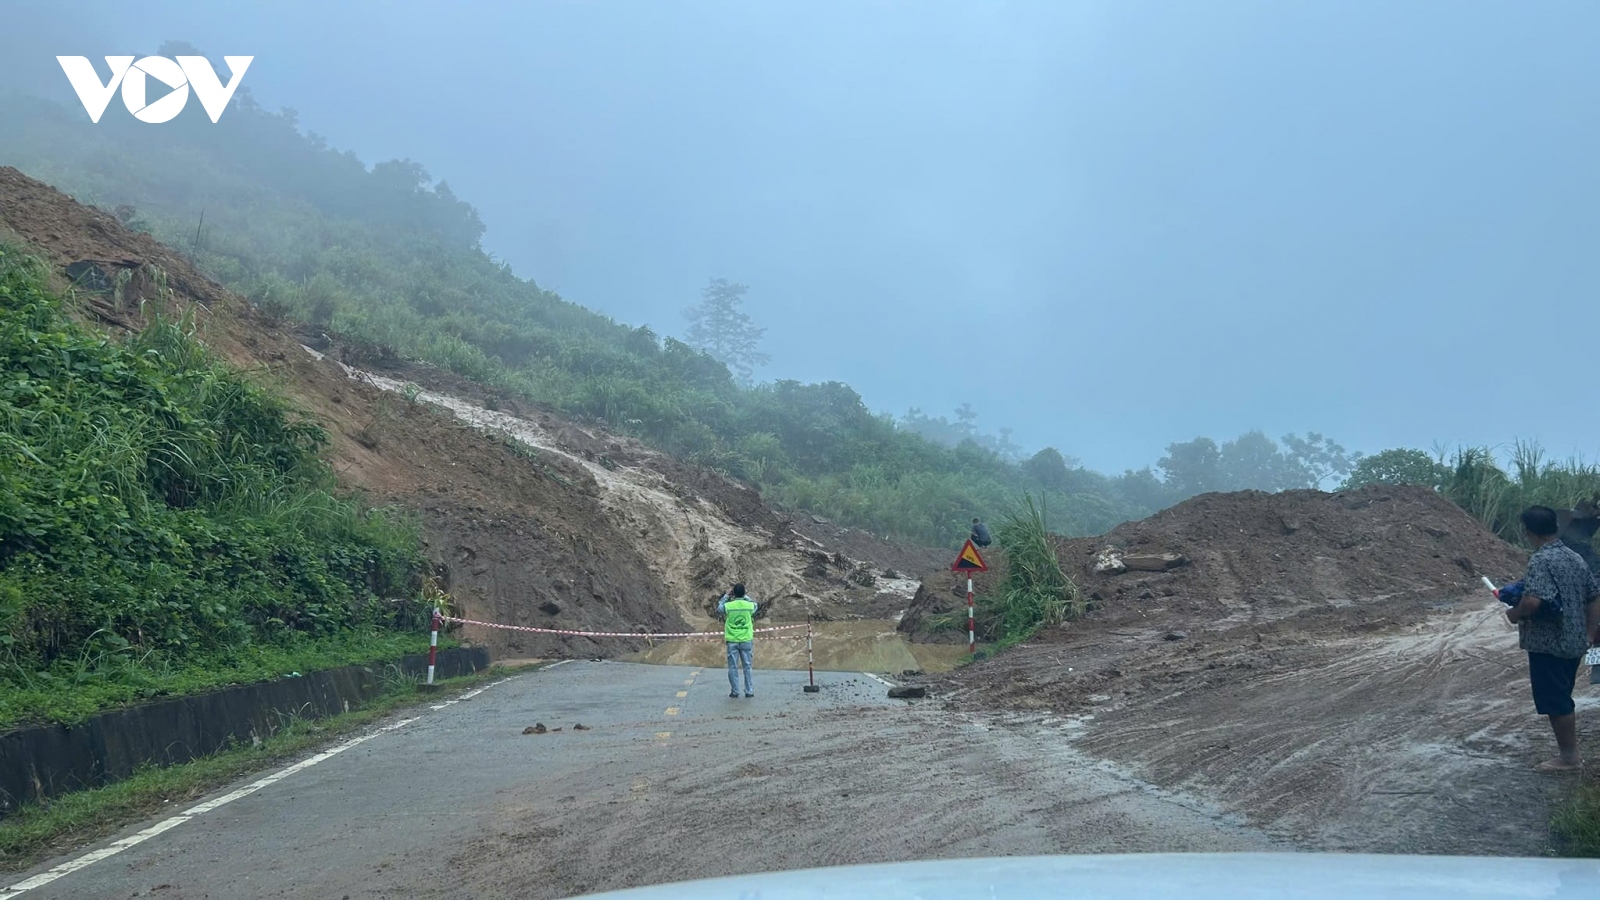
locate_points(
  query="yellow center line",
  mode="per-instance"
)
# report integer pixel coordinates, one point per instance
(683, 693)
(672, 710)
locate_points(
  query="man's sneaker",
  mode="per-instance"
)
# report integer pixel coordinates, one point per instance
(734, 695)
(747, 696)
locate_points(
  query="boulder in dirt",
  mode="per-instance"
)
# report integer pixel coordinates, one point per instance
(907, 693)
(910, 673)
(537, 728)
(550, 607)
(1154, 562)
(580, 727)
(1175, 636)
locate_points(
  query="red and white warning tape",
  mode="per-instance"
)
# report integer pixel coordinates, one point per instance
(624, 634)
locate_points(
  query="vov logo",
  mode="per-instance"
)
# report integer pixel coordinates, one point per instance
(133, 78)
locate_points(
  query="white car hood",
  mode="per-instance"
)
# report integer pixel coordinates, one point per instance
(1207, 876)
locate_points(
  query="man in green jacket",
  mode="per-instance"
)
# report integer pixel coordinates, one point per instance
(739, 630)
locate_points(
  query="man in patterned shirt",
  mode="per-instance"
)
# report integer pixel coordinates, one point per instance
(1557, 618)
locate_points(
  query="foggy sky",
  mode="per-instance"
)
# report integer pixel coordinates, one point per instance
(1109, 226)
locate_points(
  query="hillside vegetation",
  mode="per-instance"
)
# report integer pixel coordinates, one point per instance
(390, 261)
(165, 525)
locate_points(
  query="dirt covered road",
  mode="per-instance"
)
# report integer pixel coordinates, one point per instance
(670, 780)
(1420, 739)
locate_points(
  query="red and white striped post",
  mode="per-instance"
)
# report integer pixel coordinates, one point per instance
(433, 644)
(972, 630)
(811, 673)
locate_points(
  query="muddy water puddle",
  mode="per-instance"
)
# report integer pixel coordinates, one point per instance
(870, 645)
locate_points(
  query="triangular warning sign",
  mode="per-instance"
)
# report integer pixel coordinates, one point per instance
(969, 560)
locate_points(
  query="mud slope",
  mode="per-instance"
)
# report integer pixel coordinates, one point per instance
(698, 537)
(531, 519)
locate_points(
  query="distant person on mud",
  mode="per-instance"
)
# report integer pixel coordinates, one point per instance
(980, 534)
(738, 614)
(1557, 616)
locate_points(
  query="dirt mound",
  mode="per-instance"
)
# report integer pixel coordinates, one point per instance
(1319, 664)
(1251, 556)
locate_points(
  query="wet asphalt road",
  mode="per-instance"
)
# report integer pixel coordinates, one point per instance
(396, 796)
(455, 801)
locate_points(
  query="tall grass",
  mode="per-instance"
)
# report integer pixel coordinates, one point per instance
(1036, 591)
(1497, 498)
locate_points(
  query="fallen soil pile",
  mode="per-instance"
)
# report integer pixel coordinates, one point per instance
(1327, 666)
(1252, 556)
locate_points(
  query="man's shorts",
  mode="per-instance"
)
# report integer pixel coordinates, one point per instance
(1552, 678)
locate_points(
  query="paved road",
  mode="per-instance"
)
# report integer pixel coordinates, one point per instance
(673, 780)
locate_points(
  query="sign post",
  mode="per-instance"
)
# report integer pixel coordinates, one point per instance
(433, 644)
(811, 672)
(970, 561)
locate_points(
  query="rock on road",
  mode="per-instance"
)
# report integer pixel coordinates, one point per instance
(672, 780)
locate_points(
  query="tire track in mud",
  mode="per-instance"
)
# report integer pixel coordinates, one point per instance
(1416, 742)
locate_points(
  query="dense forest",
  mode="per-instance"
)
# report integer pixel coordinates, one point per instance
(390, 259)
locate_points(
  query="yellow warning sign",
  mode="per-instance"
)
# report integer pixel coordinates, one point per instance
(969, 560)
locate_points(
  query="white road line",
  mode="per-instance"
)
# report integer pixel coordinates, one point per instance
(559, 663)
(881, 681)
(89, 859)
(467, 696)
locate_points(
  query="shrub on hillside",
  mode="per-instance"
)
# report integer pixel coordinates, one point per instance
(156, 508)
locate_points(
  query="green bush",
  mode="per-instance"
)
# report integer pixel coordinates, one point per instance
(158, 512)
(1400, 466)
(1036, 591)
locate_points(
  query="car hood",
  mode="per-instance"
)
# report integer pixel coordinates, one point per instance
(1202, 876)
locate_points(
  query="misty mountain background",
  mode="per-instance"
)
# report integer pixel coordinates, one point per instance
(1094, 227)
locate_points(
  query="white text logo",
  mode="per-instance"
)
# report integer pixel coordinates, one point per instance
(133, 78)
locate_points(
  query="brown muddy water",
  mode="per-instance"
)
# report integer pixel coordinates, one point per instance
(870, 645)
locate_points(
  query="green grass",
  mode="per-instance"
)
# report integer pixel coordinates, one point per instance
(70, 693)
(1576, 823)
(58, 826)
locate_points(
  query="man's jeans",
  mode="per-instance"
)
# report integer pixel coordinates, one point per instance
(739, 655)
